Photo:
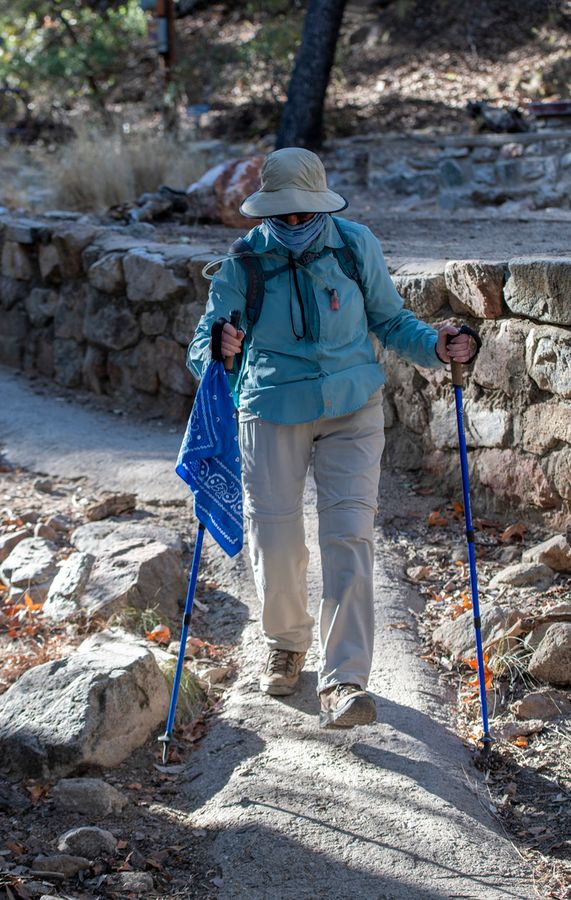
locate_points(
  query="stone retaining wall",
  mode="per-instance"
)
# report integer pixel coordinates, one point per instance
(101, 309)
(112, 311)
(517, 398)
(525, 171)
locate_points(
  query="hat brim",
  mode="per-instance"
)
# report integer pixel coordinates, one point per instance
(263, 204)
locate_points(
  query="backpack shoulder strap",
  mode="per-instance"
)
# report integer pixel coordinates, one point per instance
(256, 277)
(255, 281)
(346, 258)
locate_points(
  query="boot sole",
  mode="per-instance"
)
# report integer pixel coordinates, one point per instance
(360, 711)
(278, 690)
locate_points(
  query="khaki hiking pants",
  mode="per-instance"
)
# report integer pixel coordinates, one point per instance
(275, 460)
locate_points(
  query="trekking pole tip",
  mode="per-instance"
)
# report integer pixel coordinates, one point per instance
(165, 740)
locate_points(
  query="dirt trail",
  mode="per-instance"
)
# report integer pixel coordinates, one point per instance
(395, 810)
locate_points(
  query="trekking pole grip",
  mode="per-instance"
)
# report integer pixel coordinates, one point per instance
(235, 316)
(457, 374)
(455, 367)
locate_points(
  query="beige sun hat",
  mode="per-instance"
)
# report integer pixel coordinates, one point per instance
(293, 180)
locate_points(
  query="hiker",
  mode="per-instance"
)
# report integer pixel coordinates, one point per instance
(310, 287)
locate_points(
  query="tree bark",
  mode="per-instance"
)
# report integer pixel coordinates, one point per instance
(301, 123)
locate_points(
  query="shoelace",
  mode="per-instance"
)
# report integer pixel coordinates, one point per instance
(346, 689)
(280, 659)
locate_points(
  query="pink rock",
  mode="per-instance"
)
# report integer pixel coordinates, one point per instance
(476, 287)
(216, 197)
(237, 181)
(515, 477)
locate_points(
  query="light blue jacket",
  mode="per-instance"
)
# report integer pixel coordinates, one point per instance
(332, 370)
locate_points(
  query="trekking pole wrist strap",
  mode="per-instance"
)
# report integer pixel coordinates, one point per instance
(216, 335)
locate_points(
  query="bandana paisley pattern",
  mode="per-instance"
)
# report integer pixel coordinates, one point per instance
(209, 460)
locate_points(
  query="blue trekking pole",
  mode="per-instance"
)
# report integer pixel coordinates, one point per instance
(165, 738)
(458, 382)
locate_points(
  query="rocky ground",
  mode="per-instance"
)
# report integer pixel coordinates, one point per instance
(203, 826)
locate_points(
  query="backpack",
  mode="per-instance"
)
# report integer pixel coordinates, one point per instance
(257, 276)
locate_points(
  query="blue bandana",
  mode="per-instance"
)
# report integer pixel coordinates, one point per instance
(296, 238)
(209, 460)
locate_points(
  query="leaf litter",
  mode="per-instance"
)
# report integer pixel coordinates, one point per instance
(528, 772)
(153, 830)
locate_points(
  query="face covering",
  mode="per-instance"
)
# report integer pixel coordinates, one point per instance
(296, 237)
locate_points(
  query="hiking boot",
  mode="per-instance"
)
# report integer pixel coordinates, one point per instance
(281, 672)
(346, 705)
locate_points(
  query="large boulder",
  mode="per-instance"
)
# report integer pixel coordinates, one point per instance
(92, 708)
(456, 636)
(140, 575)
(9, 540)
(525, 574)
(554, 552)
(67, 587)
(136, 565)
(545, 704)
(31, 562)
(99, 537)
(551, 661)
(216, 197)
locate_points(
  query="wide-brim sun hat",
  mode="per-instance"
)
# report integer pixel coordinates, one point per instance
(293, 180)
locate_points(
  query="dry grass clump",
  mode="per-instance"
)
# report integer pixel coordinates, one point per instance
(98, 170)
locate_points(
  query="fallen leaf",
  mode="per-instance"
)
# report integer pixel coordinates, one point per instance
(399, 626)
(418, 573)
(36, 790)
(15, 847)
(520, 741)
(121, 845)
(151, 861)
(436, 518)
(481, 522)
(513, 533)
(161, 634)
(194, 730)
(488, 674)
(30, 605)
(196, 642)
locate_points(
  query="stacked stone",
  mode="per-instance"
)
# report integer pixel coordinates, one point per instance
(532, 169)
(97, 308)
(517, 399)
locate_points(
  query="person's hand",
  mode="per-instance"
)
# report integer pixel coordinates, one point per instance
(231, 343)
(460, 349)
(226, 340)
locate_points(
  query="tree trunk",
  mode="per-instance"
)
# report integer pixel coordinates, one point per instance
(302, 119)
